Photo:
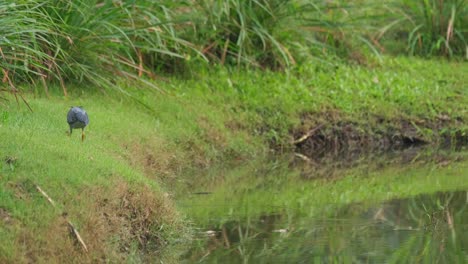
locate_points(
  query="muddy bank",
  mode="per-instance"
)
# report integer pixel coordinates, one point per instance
(326, 133)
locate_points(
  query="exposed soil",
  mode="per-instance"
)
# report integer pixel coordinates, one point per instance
(327, 167)
(318, 137)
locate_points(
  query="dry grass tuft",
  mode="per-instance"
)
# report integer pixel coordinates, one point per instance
(123, 220)
(212, 134)
(127, 219)
(153, 158)
(5, 217)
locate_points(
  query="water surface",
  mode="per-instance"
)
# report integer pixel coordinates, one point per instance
(402, 208)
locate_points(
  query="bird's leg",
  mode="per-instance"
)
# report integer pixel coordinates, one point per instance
(82, 134)
(69, 133)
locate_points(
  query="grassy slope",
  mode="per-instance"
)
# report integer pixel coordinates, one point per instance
(108, 184)
(85, 179)
(398, 89)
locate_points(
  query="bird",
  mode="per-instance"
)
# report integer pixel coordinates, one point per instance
(77, 118)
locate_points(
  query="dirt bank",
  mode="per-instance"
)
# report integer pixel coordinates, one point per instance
(323, 133)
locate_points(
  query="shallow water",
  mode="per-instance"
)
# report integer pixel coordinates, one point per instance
(387, 209)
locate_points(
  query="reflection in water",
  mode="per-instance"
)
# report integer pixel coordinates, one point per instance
(274, 216)
(426, 228)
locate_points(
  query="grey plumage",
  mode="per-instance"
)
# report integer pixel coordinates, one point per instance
(77, 118)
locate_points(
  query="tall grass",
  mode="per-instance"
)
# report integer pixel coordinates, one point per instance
(236, 31)
(89, 40)
(58, 41)
(85, 40)
(271, 34)
(440, 27)
(432, 27)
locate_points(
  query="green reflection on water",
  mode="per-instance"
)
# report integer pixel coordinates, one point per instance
(368, 212)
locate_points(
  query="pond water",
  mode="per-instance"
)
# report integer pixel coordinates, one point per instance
(409, 207)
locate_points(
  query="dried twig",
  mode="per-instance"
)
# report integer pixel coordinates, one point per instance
(140, 63)
(77, 235)
(26, 103)
(307, 135)
(302, 156)
(13, 89)
(449, 219)
(46, 196)
(226, 239)
(72, 227)
(206, 49)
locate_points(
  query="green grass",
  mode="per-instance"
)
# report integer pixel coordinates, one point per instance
(109, 185)
(78, 176)
(56, 42)
(397, 89)
(214, 116)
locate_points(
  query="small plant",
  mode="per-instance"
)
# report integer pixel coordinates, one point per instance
(11, 162)
(4, 117)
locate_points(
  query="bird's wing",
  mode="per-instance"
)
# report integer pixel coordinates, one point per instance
(82, 116)
(71, 116)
